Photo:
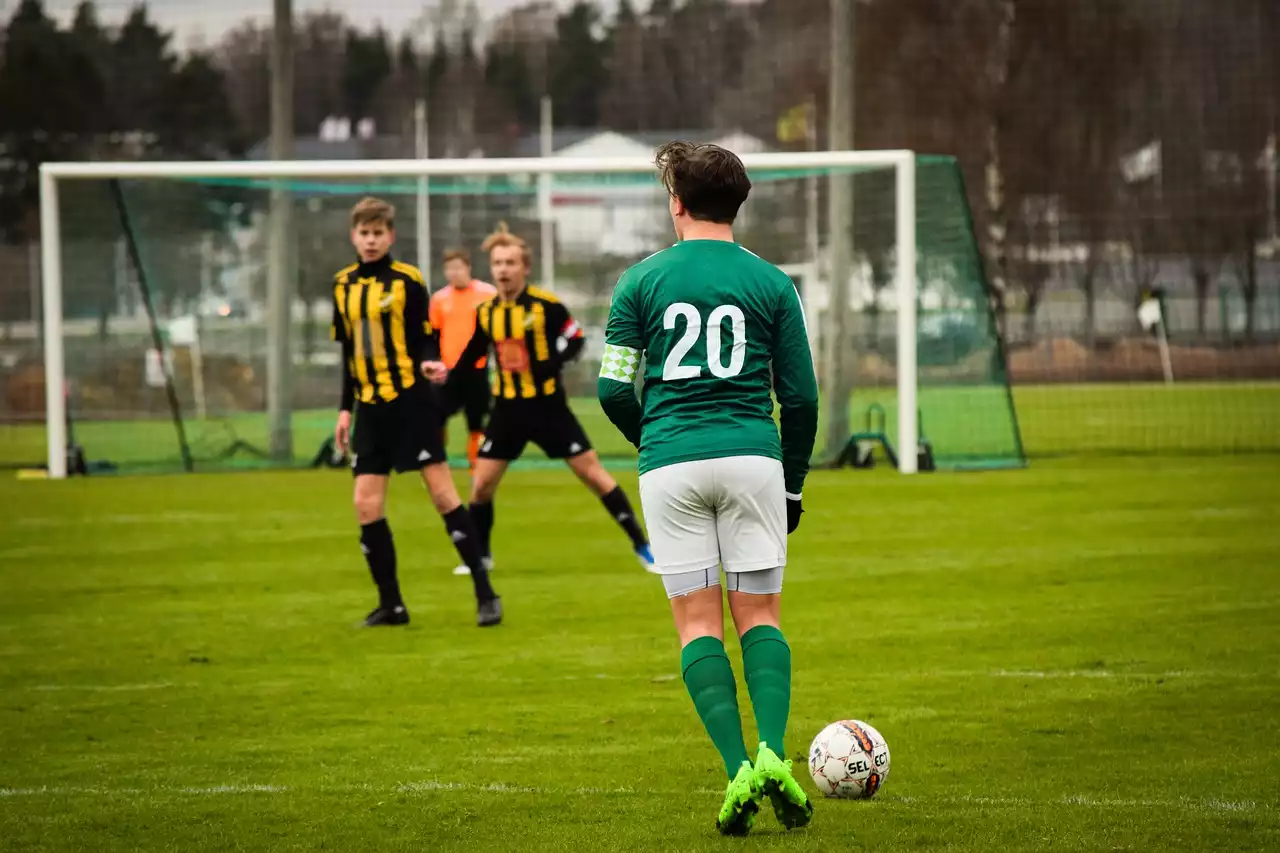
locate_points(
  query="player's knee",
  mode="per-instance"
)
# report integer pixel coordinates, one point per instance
(369, 508)
(483, 487)
(592, 473)
(440, 488)
(698, 613)
(753, 609)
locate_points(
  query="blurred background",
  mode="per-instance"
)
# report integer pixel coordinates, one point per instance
(1111, 151)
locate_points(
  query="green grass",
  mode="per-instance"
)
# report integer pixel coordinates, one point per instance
(962, 422)
(1069, 657)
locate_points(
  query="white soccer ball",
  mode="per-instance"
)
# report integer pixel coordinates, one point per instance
(849, 760)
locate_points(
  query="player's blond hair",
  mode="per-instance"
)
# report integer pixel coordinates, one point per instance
(373, 211)
(502, 236)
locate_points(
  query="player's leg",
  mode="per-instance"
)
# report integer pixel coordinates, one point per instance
(476, 409)
(379, 549)
(462, 532)
(503, 443)
(751, 524)
(420, 449)
(484, 488)
(687, 557)
(561, 436)
(371, 464)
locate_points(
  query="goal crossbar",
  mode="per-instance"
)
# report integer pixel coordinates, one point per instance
(51, 174)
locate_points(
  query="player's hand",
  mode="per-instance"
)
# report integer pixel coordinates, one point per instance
(794, 511)
(435, 371)
(342, 432)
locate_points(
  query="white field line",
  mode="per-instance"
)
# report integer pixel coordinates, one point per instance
(427, 786)
(107, 688)
(671, 677)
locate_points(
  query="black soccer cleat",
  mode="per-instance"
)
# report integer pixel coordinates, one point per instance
(489, 613)
(384, 616)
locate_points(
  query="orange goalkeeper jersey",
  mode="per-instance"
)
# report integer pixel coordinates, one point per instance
(453, 314)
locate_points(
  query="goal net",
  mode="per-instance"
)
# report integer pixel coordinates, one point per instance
(188, 305)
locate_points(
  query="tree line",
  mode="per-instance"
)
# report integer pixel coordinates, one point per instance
(1089, 122)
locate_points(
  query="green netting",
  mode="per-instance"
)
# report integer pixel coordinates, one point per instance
(965, 408)
(203, 251)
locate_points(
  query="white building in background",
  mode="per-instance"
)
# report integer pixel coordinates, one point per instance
(592, 215)
(620, 214)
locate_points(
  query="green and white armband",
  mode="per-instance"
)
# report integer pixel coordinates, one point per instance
(619, 363)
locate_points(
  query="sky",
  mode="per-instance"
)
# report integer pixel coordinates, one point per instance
(205, 21)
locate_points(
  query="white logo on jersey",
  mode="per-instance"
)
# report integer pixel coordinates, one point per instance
(387, 301)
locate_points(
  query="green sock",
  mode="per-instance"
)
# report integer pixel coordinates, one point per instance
(709, 678)
(766, 663)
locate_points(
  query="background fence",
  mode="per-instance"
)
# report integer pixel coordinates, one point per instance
(1111, 149)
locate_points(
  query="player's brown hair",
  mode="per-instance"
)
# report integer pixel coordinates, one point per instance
(709, 181)
(372, 211)
(502, 236)
(457, 255)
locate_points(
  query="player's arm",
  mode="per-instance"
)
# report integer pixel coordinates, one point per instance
(338, 332)
(623, 346)
(796, 388)
(420, 337)
(476, 347)
(569, 337)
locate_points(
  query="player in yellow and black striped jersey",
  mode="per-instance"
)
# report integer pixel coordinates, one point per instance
(388, 347)
(532, 336)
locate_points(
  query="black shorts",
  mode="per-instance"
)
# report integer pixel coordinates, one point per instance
(402, 435)
(550, 425)
(469, 393)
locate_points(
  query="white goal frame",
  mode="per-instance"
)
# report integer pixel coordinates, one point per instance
(52, 174)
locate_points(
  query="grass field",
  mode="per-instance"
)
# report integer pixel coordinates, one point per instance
(1082, 655)
(1057, 420)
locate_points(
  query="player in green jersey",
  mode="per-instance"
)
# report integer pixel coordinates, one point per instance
(718, 330)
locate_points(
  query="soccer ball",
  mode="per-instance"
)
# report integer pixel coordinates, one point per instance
(849, 760)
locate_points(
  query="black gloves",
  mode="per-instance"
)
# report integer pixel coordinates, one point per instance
(794, 510)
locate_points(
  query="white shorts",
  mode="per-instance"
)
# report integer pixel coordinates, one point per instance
(729, 512)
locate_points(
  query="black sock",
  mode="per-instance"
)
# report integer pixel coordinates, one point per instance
(482, 518)
(620, 508)
(380, 551)
(463, 533)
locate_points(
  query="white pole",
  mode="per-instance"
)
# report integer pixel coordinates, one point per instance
(197, 380)
(54, 366)
(547, 251)
(811, 189)
(455, 167)
(908, 428)
(1271, 188)
(282, 246)
(1166, 363)
(422, 151)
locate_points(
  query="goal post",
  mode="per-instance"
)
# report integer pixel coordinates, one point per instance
(568, 198)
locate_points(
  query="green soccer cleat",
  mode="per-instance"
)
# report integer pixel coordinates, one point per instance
(741, 802)
(790, 802)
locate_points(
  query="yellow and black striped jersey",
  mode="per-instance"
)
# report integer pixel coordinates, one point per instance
(532, 336)
(380, 318)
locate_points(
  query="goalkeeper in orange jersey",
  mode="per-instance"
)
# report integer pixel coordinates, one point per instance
(453, 314)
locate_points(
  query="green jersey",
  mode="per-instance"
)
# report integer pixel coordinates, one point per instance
(718, 329)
